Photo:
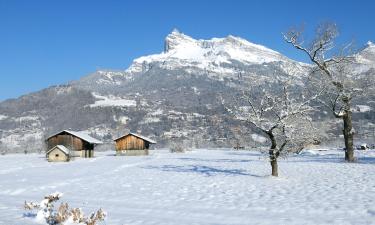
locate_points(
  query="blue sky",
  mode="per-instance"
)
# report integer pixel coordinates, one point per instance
(45, 43)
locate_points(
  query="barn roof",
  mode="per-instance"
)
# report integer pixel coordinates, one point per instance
(61, 147)
(139, 136)
(80, 135)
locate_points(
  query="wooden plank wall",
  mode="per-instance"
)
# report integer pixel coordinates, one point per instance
(130, 143)
(69, 141)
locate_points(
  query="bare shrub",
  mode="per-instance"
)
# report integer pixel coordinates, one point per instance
(63, 214)
(177, 148)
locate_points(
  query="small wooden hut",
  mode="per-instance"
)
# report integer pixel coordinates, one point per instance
(59, 153)
(133, 144)
(80, 144)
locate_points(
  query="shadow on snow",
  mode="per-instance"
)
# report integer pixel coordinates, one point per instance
(216, 160)
(366, 160)
(329, 158)
(29, 215)
(203, 170)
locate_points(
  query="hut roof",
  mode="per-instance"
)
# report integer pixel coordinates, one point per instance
(80, 135)
(139, 136)
(61, 147)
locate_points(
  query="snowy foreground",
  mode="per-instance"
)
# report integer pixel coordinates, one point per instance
(199, 187)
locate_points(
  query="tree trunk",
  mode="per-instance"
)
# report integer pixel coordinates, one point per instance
(274, 167)
(348, 136)
(273, 155)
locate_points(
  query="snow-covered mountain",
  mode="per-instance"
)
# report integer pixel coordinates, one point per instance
(172, 96)
(367, 55)
(183, 51)
(218, 58)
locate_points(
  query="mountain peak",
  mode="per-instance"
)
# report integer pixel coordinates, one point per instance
(367, 54)
(214, 54)
(176, 38)
(369, 47)
(175, 31)
(232, 38)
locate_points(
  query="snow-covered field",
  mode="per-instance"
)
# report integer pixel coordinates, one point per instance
(107, 101)
(199, 187)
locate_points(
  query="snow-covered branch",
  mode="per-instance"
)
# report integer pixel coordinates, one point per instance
(337, 74)
(47, 213)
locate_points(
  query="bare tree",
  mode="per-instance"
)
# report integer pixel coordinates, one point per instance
(334, 70)
(281, 113)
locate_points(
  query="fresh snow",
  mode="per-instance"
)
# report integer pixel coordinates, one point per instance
(110, 101)
(108, 77)
(175, 133)
(99, 131)
(3, 117)
(148, 120)
(158, 112)
(363, 108)
(16, 138)
(196, 90)
(366, 57)
(122, 119)
(199, 187)
(258, 138)
(62, 90)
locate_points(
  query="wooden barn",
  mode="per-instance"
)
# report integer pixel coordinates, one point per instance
(80, 144)
(133, 144)
(59, 153)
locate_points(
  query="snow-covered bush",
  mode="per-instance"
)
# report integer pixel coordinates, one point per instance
(176, 148)
(48, 214)
(180, 147)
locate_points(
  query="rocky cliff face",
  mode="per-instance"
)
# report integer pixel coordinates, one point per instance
(177, 95)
